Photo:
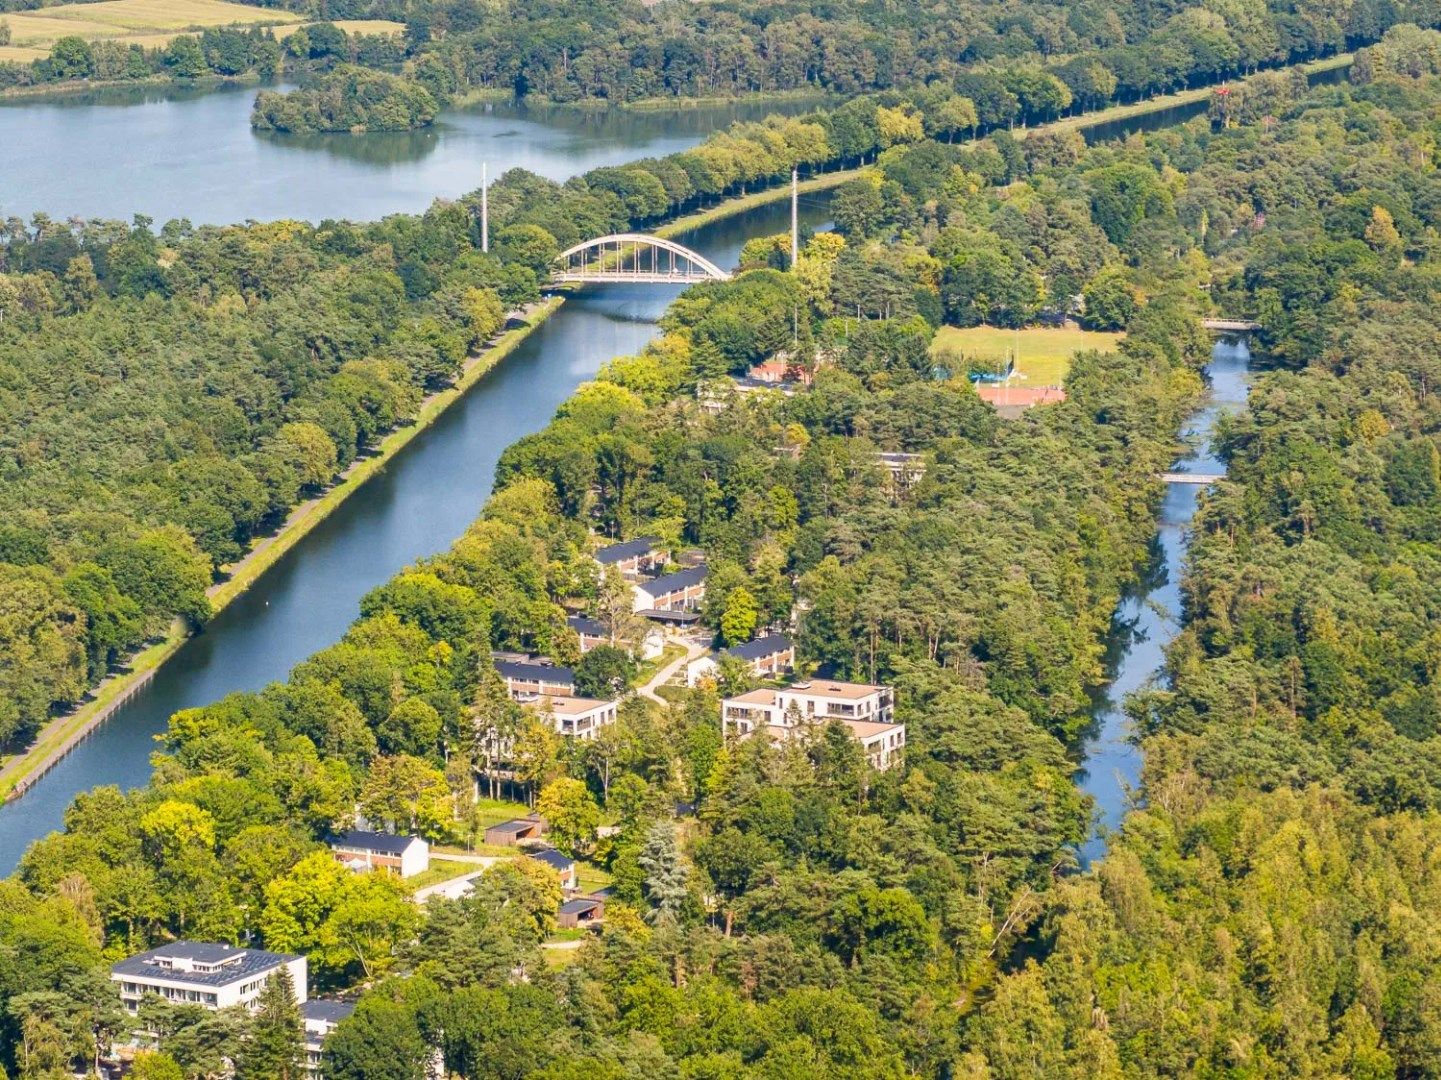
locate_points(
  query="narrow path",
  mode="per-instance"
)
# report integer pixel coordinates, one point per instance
(665, 674)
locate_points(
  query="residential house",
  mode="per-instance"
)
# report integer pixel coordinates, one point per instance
(208, 974)
(512, 832)
(576, 717)
(590, 631)
(867, 711)
(320, 1019)
(526, 680)
(633, 558)
(767, 656)
(404, 856)
(563, 865)
(681, 591)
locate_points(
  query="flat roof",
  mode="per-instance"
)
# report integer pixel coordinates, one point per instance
(535, 672)
(579, 907)
(626, 549)
(568, 706)
(755, 697)
(761, 647)
(869, 729)
(237, 963)
(829, 688)
(669, 583)
(662, 615)
(385, 843)
(514, 825)
(332, 1012)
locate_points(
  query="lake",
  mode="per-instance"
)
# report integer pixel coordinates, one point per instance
(170, 152)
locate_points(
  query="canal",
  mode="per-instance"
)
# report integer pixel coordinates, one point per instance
(1150, 613)
(417, 506)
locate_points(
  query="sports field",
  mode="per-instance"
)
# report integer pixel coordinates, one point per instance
(1043, 353)
(151, 23)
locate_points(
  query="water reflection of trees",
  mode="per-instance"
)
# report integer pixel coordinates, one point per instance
(367, 148)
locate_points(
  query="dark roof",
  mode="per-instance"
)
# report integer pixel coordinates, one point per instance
(584, 624)
(669, 583)
(551, 857)
(761, 647)
(332, 1012)
(514, 825)
(626, 549)
(603, 894)
(661, 615)
(385, 843)
(551, 673)
(243, 963)
(579, 907)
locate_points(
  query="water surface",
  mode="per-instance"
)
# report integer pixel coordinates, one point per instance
(1150, 614)
(417, 506)
(170, 152)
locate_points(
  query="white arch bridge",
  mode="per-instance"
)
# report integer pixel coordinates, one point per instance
(635, 259)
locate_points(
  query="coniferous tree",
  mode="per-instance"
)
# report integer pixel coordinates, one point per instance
(275, 1048)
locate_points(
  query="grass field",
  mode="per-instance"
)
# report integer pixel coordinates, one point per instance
(350, 26)
(1043, 354)
(146, 22)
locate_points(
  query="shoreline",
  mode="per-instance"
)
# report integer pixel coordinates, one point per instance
(58, 737)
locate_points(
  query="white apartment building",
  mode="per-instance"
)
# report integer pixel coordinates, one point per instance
(867, 710)
(576, 717)
(204, 973)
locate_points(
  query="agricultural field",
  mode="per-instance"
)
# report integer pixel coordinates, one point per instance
(1043, 354)
(350, 26)
(150, 23)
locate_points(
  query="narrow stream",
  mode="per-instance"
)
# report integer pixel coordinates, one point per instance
(1150, 614)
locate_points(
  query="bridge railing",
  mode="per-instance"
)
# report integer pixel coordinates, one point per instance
(634, 258)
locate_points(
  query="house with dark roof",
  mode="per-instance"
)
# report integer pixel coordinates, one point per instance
(643, 555)
(530, 679)
(212, 975)
(563, 865)
(683, 590)
(592, 632)
(360, 849)
(320, 1018)
(767, 656)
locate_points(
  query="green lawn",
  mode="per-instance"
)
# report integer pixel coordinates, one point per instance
(441, 870)
(591, 877)
(1043, 354)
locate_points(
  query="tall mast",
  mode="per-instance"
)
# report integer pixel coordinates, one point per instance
(795, 218)
(484, 208)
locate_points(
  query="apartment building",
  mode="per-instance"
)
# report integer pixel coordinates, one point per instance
(208, 974)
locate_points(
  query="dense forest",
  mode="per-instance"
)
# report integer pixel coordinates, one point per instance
(1263, 911)
(1018, 62)
(165, 398)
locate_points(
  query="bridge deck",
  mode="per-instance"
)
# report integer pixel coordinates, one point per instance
(1198, 478)
(1237, 325)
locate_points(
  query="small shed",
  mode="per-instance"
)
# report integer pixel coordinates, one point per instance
(512, 832)
(583, 911)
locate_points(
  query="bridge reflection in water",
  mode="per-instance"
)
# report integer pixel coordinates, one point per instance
(635, 259)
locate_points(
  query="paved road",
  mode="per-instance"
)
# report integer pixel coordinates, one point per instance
(457, 887)
(665, 674)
